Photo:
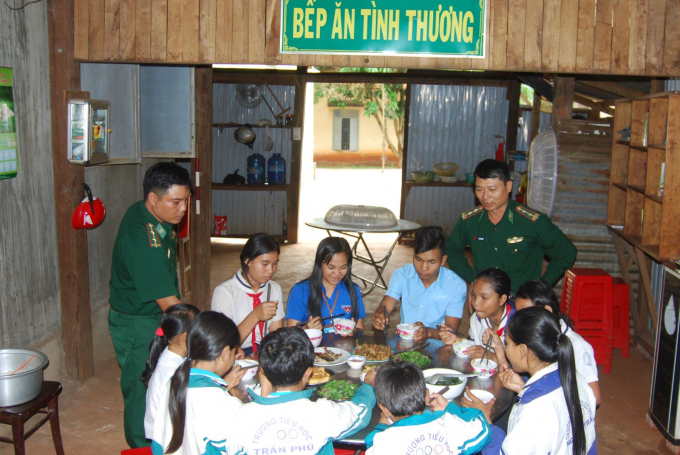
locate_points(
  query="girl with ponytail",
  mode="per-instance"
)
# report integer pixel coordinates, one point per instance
(167, 352)
(555, 411)
(199, 414)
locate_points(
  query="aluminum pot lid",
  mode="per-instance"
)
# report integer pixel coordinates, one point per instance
(361, 216)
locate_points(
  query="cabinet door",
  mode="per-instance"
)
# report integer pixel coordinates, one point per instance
(167, 111)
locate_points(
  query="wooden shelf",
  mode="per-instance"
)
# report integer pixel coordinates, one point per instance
(223, 187)
(626, 143)
(621, 186)
(465, 184)
(642, 148)
(636, 241)
(637, 188)
(654, 198)
(239, 125)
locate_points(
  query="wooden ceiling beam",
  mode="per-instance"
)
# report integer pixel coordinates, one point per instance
(594, 105)
(615, 88)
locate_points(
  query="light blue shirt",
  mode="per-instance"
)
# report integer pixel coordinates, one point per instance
(445, 297)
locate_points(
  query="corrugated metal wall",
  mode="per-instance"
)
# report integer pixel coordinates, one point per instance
(248, 212)
(523, 135)
(451, 123)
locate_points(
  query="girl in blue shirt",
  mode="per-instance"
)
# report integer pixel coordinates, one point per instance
(329, 291)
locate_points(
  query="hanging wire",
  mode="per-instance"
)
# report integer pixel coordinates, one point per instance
(22, 6)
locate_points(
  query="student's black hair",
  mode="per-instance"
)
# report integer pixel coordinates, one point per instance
(329, 247)
(542, 295)
(430, 238)
(540, 331)
(175, 321)
(257, 245)
(161, 176)
(499, 280)
(493, 169)
(400, 387)
(208, 335)
(285, 356)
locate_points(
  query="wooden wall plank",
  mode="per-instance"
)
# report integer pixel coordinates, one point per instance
(223, 31)
(127, 30)
(533, 37)
(239, 38)
(81, 35)
(96, 47)
(190, 31)
(159, 30)
(602, 50)
(112, 30)
(393, 62)
(143, 30)
(638, 36)
(256, 31)
(551, 34)
(498, 53)
(273, 32)
(207, 29)
(175, 30)
(585, 36)
(568, 35)
(515, 46)
(671, 50)
(620, 37)
(655, 30)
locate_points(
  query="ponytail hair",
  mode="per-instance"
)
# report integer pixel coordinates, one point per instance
(541, 294)
(175, 321)
(540, 331)
(208, 335)
(499, 280)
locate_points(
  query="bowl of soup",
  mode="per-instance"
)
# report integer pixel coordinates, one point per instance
(456, 385)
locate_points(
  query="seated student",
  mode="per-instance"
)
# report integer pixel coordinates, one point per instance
(430, 294)
(407, 423)
(284, 418)
(491, 293)
(555, 411)
(167, 352)
(250, 298)
(200, 413)
(328, 291)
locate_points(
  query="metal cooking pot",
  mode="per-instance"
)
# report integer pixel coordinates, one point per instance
(245, 135)
(21, 375)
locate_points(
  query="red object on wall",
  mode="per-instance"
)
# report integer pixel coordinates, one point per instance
(500, 156)
(183, 227)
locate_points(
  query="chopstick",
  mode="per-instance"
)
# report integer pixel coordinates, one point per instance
(385, 324)
(22, 366)
(300, 324)
(441, 392)
(487, 347)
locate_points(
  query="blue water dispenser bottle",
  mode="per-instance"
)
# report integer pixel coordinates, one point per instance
(276, 169)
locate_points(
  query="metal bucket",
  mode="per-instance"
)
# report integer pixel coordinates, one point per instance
(21, 375)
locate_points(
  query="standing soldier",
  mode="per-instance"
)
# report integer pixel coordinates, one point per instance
(144, 282)
(506, 235)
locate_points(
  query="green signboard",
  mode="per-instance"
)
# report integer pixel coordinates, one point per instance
(8, 128)
(448, 28)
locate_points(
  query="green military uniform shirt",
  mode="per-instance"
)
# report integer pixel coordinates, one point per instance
(515, 245)
(144, 264)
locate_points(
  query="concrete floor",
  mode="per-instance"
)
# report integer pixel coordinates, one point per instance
(92, 413)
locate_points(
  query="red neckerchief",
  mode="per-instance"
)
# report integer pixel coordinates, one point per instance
(256, 302)
(501, 330)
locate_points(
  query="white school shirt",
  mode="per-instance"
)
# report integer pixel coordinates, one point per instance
(210, 417)
(584, 356)
(539, 423)
(478, 326)
(231, 298)
(459, 431)
(290, 423)
(160, 379)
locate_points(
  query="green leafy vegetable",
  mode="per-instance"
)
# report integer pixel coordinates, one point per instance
(420, 360)
(339, 390)
(448, 381)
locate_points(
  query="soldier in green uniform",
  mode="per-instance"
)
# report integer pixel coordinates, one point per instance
(507, 235)
(144, 282)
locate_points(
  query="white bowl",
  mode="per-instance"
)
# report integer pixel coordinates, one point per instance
(461, 346)
(251, 367)
(454, 390)
(481, 394)
(343, 326)
(407, 331)
(486, 369)
(315, 336)
(449, 179)
(356, 362)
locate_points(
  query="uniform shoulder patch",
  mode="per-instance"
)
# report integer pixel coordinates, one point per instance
(154, 240)
(472, 212)
(527, 213)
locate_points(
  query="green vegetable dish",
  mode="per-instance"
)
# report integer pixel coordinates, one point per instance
(449, 381)
(338, 390)
(420, 360)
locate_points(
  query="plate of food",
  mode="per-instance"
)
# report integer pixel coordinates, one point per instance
(320, 375)
(415, 357)
(329, 356)
(338, 390)
(374, 353)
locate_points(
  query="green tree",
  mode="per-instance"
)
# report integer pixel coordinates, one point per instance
(370, 96)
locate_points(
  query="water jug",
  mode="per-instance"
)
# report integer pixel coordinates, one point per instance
(255, 165)
(276, 170)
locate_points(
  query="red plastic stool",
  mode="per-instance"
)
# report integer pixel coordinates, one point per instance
(138, 451)
(621, 316)
(587, 301)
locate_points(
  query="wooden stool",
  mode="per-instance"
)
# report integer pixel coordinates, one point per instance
(46, 403)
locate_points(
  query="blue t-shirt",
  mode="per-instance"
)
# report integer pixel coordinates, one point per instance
(445, 297)
(299, 297)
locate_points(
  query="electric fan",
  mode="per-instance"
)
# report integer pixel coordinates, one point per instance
(248, 95)
(542, 172)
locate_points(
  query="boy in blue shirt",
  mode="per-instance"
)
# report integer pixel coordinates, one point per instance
(430, 294)
(406, 423)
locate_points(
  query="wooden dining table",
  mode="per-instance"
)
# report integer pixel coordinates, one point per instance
(442, 357)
